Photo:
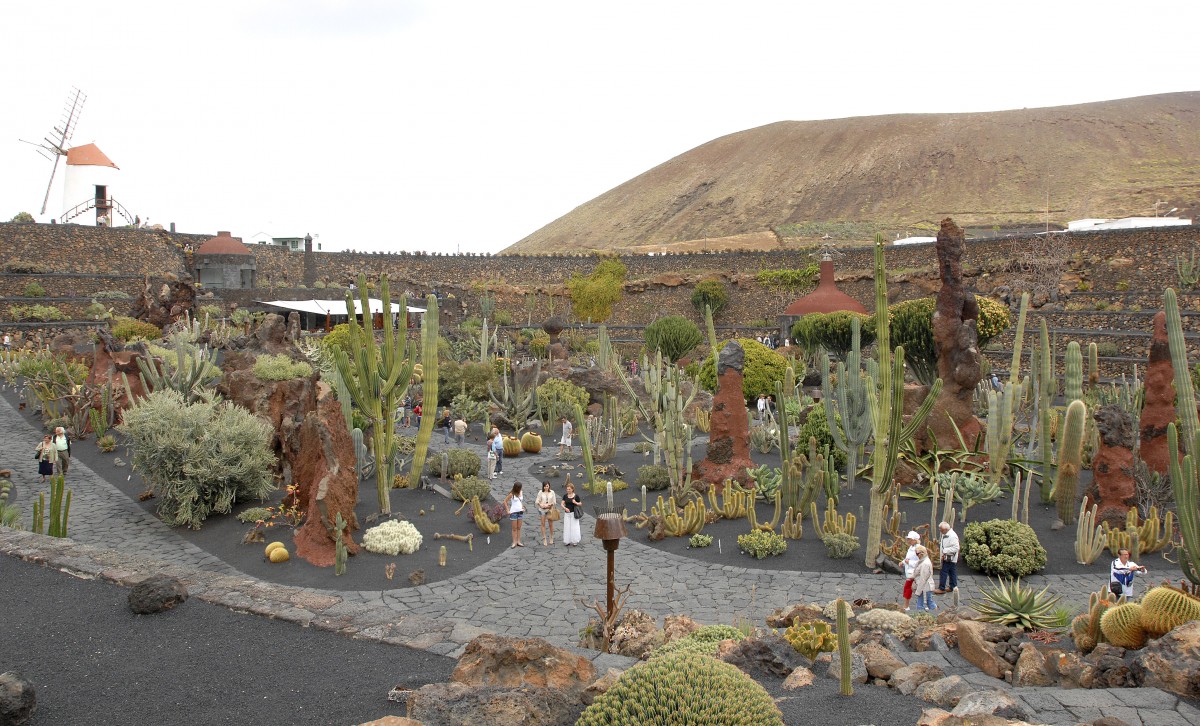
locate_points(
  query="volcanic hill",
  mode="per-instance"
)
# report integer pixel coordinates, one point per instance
(847, 178)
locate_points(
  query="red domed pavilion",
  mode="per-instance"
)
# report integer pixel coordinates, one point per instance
(827, 298)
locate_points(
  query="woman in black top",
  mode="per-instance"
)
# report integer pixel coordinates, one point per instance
(570, 504)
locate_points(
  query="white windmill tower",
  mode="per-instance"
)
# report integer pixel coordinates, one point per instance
(89, 174)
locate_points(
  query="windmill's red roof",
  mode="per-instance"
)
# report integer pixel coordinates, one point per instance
(223, 244)
(827, 298)
(88, 155)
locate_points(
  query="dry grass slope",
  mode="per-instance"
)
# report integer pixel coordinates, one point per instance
(1105, 159)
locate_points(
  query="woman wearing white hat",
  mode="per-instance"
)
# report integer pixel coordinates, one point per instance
(910, 565)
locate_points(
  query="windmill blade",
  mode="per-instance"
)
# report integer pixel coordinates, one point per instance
(46, 199)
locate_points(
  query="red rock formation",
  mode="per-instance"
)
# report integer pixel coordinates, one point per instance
(328, 483)
(166, 304)
(956, 337)
(1159, 408)
(1113, 487)
(729, 437)
(111, 360)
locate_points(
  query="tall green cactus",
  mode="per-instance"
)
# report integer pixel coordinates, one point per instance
(789, 488)
(1073, 373)
(850, 395)
(1093, 365)
(376, 377)
(843, 644)
(886, 401)
(1070, 462)
(60, 509)
(672, 439)
(1002, 406)
(1047, 388)
(1185, 473)
(712, 330)
(191, 371)
(429, 387)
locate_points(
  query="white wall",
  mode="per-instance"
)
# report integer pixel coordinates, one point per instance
(80, 186)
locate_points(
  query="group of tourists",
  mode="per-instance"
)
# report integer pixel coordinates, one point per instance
(53, 453)
(772, 341)
(550, 509)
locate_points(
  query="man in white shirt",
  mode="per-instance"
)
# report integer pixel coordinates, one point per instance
(62, 443)
(910, 565)
(762, 406)
(1120, 575)
(950, 548)
(568, 430)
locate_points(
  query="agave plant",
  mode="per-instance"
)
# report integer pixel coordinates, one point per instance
(1009, 603)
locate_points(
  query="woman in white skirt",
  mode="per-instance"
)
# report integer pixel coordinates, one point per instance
(570, 504)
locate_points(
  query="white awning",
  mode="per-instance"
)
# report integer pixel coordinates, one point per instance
(334, 307)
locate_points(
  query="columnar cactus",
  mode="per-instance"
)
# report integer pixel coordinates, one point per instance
(850, 395)
(1002, 406)
(1070, 462)
(1185, 473)
(885, 400)
(376, 377)
(429, 389)
(1093, 365)
(1047, 389)
(1089, 536)
(843, 640)
(1073, 373)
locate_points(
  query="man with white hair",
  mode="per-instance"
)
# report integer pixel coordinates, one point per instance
(950, 549)
(910, 566)
(62, 443)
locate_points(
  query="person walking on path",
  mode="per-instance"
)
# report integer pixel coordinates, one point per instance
(460, 430)
(547, 504)
(1120, 575)
(515, 506)
(950, 547)
(923, 580)
(490, 456)
(762, 407)
(571, 503)
(416, 409)
(910, 567)
(7, 343)
(498, 451)
(444, 423)
(62, 443)
(568, 430)
(47, 457)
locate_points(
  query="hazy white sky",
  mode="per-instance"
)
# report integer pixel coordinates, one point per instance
(449, 125)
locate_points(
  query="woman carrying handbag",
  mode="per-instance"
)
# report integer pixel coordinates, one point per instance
(572, 507)
(547, 504)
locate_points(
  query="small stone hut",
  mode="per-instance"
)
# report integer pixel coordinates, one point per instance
(223, 262)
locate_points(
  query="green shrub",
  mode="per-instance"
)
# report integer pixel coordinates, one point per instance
(1107, 349)
(912, 327)
(654, 477)
(106, 443)
(700, 540)
(126, 329)
(840, 545)
(462, 462)
(684, 688)
(111, 295)
(198, 458)
(336, 339)
(212, 312)
(95, 311)
(471, 378)
(817, 426)
(254, 514)
(34, 289)
(763, 367)
(43, 313)
(22, 218)
(539, 344)
(44, 368)
(269, 367)
(760, 544)
(471, 486)
(26, 268)
(790, 279)
(710, 293)
(319, 285)
(557, 397)
(1003, 547)
(593, 296)
(833, 331)
(674, 335)
(502, 317)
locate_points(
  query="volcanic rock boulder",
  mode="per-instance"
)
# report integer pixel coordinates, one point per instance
(18, 699)
(164, 303)
(112, 359)
(728, 454)
(456, 704)
(157, 594)
(324, 469)
(1112, 486)
(956, 338)
(1172, 662)
(498, 660)
(1159, 408)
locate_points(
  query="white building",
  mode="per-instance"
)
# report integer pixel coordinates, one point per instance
(915, 241)
(1090, 225)
(294, 244)
(88, 185)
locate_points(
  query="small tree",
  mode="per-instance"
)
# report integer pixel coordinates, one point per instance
(674, 335)
(593, 296)
(710, 293)
(832, 331)
(22, 218)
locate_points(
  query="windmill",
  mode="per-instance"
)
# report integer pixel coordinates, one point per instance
(54, 145)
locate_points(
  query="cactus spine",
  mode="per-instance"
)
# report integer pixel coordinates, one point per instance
(1070, 462)
(850, 394)
(1185, 473)
(843, 640)
(886, 401)
(376, 377)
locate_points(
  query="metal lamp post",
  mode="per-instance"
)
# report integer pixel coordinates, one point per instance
(610, 528)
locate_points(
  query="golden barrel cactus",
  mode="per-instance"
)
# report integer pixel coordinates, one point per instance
(531, 443)
(1122, 626)
(1165, 608)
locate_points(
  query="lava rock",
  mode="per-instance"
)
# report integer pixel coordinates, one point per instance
(156, 594)
(18, 699)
